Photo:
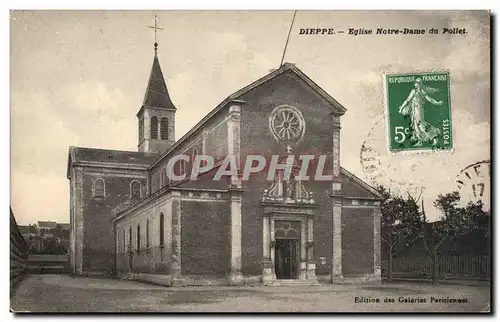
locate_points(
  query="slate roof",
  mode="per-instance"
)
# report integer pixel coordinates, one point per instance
(156, 93)
(113, 156)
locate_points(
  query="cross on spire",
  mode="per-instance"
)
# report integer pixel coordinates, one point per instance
(156, 28)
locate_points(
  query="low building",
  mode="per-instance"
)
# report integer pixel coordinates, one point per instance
(47, 225)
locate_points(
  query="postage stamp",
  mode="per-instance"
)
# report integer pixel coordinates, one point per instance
(419, 111)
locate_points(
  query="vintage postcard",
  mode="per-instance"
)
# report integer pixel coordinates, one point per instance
(250, 161)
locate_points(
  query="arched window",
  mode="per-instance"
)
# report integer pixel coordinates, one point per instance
(153, 184)
(147, 233)
(118, 234)
(162, 230)
(154, 127)
(124, 241)
(157, 182)
(194, 154)
(99, 188)
(135, 189)
(164, 179)
(164, 128)
(141, 130)
(138, 236)
(182, 167)
(119, 238)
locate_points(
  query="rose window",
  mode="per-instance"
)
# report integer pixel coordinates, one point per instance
(287, 123)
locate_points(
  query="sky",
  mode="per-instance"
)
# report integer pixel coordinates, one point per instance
(78, 79)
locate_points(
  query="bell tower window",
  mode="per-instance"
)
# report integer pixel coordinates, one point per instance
(164, 128)
(154, 127)
(141, 130)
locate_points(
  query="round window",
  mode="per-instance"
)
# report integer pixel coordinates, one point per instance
(287, 123)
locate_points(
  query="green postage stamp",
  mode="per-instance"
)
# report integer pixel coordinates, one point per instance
(419, 111)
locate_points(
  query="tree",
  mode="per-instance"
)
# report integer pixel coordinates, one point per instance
(479, 219)
(478, 236)
(33, 229)
(53, 247)
(456, 221)
(60, 232)
(401, 223)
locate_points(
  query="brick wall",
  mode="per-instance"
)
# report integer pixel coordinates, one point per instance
(205, 238)
(357, 241)
(286, 89)
(98, 234)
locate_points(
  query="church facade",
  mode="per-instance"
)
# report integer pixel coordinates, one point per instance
(129, 217)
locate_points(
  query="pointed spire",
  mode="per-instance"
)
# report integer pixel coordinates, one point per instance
(156, 92)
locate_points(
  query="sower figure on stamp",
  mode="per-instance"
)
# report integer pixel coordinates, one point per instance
(413, 107)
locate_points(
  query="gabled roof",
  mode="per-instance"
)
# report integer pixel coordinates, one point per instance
(156, 93)
(353, 186)
(337, 108)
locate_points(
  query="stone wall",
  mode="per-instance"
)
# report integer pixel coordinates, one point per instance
(18, 255)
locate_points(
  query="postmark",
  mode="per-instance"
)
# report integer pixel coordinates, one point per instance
(376, 164)
(473, 182)
(418, 108)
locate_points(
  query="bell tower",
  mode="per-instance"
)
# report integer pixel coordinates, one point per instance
(157, 113)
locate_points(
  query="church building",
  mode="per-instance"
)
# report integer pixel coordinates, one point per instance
(129, 218)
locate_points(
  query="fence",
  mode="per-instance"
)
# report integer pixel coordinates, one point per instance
(18, 254)
(448, 267)
(48, 264)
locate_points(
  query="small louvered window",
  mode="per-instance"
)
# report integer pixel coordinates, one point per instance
(154, 127)
(164, 128)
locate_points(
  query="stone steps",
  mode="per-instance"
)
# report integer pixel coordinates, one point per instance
(291, 282)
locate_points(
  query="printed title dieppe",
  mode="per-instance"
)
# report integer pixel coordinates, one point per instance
(382, 31)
